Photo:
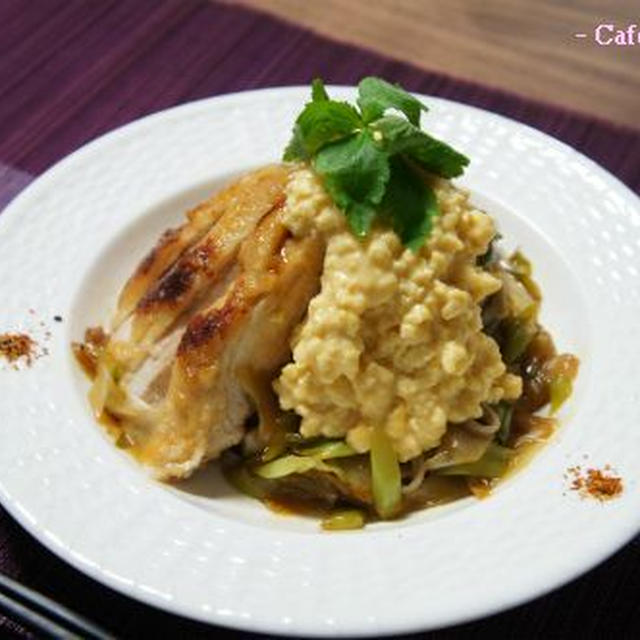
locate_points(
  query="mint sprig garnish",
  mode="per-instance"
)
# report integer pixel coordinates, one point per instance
(397, 136)
(355, 172)
(408, 206)
(372, 164)
(318, 92)
(319, 123)
(375, 96)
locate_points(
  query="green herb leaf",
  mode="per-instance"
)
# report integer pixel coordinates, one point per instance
(295, 151)
(318, 92)
(409, 204)
(396, 135)
(360, 217)
(375, 96)
(320, 123)
(355, 173)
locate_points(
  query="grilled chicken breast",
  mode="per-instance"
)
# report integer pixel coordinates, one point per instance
(188, 261)
(211, 307)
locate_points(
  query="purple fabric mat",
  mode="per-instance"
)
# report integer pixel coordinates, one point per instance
(73, 69)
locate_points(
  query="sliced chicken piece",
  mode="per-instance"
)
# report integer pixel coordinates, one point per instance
(205, 264)
(174, 242)
(206, 405)
(181, 374)
(150, 380)
(171, 245)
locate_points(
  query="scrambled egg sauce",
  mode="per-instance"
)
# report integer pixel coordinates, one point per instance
(394, 338)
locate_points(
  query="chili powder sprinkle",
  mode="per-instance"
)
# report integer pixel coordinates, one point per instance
(17, 347)
(595, 483)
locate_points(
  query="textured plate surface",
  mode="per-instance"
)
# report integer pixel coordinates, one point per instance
(202, 551)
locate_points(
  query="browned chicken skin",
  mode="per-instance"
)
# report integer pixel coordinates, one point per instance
(212, 301)
(188, 261)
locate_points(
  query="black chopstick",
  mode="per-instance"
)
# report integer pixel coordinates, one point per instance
(45, 615)
(20, 613)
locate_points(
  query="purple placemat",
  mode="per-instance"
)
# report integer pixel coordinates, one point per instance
(73, 69)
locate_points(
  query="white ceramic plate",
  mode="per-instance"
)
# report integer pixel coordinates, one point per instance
(68, 242)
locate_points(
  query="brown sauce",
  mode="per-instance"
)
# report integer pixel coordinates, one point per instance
(88, 352)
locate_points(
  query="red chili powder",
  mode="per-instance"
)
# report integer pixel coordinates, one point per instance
(595, 483)
(17, 347)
